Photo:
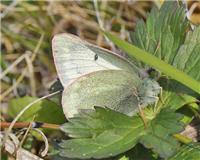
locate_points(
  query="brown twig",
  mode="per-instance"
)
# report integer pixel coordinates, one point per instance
(27, 124)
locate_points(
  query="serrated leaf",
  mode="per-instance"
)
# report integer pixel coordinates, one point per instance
(139, 152)
(188, 152)
(163, 32)
(159, 61)
(175, 95)
(160, 131)
(103, 133)
(115, 89)
(44, 110)
(156, 63)
(188, 57)
(163, 36)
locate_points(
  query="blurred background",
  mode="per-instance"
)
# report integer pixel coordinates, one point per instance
(27, 28)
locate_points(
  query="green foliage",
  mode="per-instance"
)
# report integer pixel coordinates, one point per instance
(139, 152)
(159, 133)
(187, 58)
(155, 62)
(188, 152)
(163, 32)
(163, 35)
(106, 133)
(43, 111)
(175, 95)
(100, 134)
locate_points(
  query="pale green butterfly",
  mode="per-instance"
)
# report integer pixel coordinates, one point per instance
(93, 76)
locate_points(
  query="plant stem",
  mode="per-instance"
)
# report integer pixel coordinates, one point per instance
(33, 125)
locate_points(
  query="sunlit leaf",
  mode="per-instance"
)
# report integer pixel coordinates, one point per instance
(163, 35)
(163, 32)
(156, 63)
(43, 111)
(100, 134)
(175, 95)
(188, 57)
(188, 152)
(159, 133)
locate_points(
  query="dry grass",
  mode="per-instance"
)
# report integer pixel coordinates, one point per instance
(24, 23)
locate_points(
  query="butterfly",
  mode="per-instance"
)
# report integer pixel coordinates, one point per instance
(93, 76)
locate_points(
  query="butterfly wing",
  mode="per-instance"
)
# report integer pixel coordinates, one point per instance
(114, 89)
(74, 57)
(93, 76)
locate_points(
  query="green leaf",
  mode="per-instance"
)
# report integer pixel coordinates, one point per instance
(44, 111)
(188, 57)
(155, 62)
(188, 152)
(119, 90)
(160, 131)
(163, 32)
(163, 35)
(99, 134)
(139, 152)
(175, 95)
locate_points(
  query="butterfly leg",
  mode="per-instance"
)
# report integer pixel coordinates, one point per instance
(160, 95)
(156, 104)
(142, 116)
(157, 100)
(141, 113)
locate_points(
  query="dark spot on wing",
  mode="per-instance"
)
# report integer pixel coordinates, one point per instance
(95, 57)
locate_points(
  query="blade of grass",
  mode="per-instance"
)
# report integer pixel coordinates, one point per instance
(155, 62)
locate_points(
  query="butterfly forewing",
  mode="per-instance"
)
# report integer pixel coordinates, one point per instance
(74, 57)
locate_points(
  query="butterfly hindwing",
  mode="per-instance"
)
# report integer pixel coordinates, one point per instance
(115, 89)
